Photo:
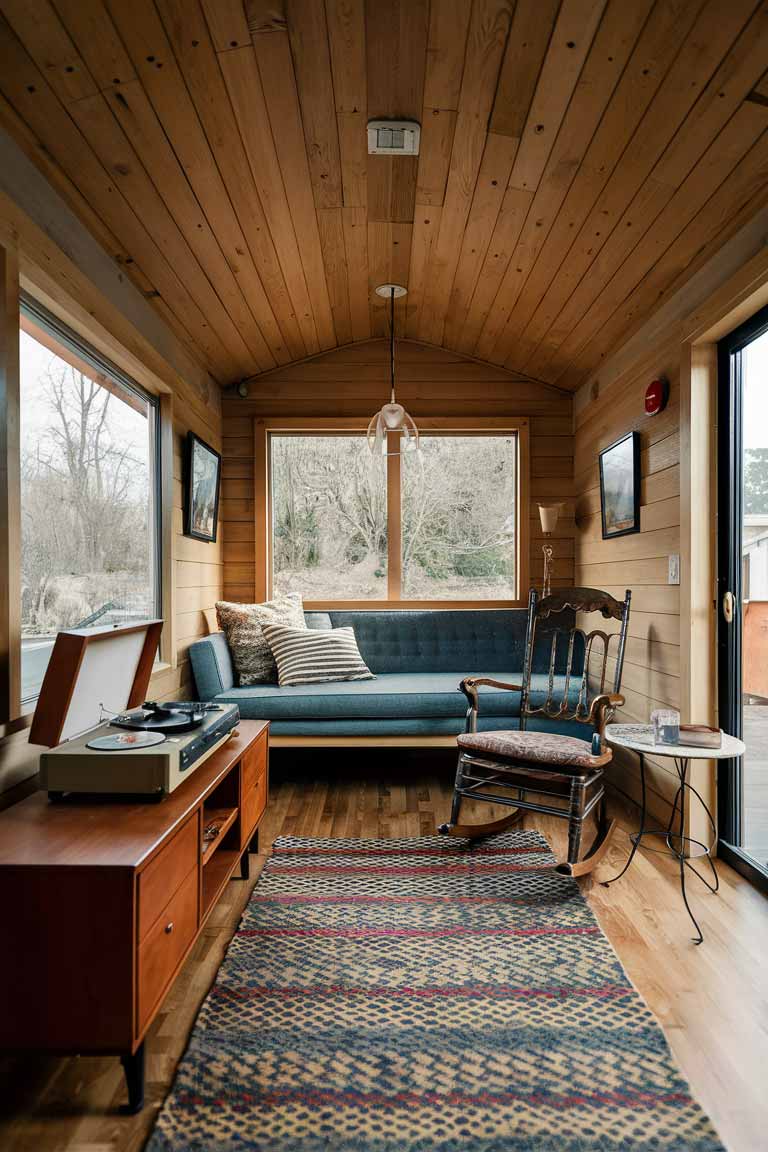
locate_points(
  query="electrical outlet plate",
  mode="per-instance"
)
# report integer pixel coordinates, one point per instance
(673, 568)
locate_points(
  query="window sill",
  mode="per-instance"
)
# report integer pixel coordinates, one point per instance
(409, 605)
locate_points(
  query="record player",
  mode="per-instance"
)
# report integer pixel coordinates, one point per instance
(100, 741)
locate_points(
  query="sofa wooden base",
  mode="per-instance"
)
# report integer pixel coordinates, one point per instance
(362, 742)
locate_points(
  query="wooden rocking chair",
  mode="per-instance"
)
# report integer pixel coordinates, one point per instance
(564, 769)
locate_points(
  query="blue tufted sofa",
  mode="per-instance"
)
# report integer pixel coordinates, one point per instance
(419, 658)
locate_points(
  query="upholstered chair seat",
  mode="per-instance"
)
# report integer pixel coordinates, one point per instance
(535, 748)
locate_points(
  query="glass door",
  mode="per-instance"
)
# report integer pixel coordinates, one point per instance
(743, 593)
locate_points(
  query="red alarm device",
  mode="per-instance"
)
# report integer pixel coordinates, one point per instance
(656, 396)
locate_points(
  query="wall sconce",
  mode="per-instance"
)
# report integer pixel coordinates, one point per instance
(548, 514)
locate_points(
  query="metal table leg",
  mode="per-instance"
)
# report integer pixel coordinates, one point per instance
(636, 837)
(678, 851)
(682, 771)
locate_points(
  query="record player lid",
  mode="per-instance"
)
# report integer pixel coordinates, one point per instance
(93, 671)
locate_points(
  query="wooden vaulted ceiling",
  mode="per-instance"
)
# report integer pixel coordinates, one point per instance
(579, 158)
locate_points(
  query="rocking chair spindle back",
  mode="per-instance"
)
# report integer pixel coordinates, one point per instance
(571, 677)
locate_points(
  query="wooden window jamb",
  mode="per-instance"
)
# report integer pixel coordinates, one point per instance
(10, 488)
(264, 427)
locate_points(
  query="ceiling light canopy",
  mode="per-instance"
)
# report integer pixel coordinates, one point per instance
(392, 419)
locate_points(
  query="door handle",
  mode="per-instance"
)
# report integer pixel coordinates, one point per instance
(728, 604)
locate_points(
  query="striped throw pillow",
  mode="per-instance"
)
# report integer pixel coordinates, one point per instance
(304, 656)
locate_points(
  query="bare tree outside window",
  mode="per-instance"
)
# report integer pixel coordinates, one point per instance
(86, 504)
(329, 518)
(459, 518)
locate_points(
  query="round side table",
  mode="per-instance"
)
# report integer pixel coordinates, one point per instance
(639, 738)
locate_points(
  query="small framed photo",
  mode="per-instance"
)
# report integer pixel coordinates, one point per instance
(620, 486)
(202, 478)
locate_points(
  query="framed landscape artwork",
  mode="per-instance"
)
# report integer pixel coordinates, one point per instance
(620, 486)
(202, 477)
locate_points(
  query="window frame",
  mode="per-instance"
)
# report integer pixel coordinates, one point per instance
(61, 340)
(265, 428)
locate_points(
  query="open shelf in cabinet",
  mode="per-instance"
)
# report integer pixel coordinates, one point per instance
(216, 873)
(224, 818)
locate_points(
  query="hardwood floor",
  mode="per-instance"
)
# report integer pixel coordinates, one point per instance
(712, 1001)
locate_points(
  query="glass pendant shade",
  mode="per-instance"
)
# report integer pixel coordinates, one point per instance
(392, 417)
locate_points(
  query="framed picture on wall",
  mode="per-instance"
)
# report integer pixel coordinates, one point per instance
(620, 486)
(202, 478)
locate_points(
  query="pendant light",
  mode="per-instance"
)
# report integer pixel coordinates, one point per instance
(392, 417)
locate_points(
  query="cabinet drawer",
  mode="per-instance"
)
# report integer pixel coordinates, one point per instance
(254, 803)
(161, 952)
(255, 763)
(162, 876)
(254, 785)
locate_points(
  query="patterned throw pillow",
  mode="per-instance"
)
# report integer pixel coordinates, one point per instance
(242, 625)
(306, 656)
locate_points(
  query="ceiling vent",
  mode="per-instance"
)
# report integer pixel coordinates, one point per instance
(393, 137)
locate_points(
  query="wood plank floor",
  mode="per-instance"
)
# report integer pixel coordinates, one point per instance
(712, 1000)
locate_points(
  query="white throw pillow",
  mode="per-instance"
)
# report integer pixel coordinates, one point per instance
(307, 656)
(242, 625)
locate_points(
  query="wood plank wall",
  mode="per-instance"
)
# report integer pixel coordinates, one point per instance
(198, 566)
(651, 677)
(352, 381)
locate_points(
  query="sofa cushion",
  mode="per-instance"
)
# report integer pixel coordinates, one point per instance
(242, 625)
(392, 696)
(310, 656)
(427, 726)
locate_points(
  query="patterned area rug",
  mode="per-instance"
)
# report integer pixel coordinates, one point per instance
(425, 996)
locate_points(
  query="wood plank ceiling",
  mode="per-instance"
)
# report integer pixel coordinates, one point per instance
(579, 159)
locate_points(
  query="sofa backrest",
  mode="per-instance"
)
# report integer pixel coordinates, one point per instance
(444, 640)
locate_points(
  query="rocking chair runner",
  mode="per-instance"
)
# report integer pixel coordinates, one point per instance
(559, 767)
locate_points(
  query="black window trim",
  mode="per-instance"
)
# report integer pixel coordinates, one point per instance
(39, 315)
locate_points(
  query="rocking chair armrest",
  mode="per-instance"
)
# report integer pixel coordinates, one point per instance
(602, 709)
(470, 685)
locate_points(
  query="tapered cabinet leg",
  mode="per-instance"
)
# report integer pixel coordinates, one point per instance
(133, 1066)
(245, 863)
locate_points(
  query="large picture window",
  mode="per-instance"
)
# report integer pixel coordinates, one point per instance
(89, 508)
(442, 526)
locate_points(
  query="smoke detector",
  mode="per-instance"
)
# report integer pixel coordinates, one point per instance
(393, 137)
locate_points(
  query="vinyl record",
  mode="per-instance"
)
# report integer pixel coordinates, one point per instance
(151, 717)
(125, 741)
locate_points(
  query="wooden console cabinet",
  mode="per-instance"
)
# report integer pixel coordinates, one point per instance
(102, 901)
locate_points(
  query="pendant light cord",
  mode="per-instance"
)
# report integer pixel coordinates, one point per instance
(392, 342)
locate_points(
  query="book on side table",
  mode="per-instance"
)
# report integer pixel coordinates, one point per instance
(700, 736)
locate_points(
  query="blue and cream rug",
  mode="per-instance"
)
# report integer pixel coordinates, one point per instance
(425, 996)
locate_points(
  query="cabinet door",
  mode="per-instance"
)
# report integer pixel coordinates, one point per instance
(165, 946)
(254, 784)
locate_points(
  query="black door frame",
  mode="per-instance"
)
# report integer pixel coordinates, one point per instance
(729, 579)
